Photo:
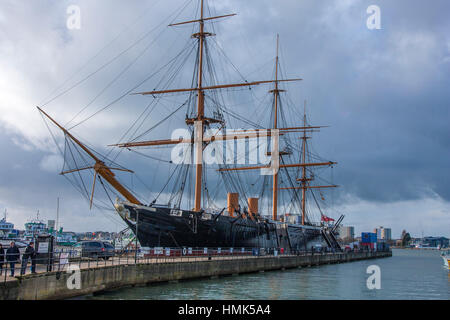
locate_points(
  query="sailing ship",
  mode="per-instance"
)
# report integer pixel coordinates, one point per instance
(241, 223)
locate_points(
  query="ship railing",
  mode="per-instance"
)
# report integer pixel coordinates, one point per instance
(67, 260)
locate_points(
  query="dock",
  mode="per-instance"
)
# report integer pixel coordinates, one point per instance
(98, 276)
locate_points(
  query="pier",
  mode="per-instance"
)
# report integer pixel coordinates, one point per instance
(98, 276)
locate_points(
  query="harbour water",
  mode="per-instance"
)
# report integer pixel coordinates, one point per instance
(408, 274)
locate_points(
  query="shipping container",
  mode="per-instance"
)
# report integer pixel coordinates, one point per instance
(370, 245)
(368, 237)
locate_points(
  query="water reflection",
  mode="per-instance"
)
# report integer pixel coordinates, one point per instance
(401, 276)
(275, 289)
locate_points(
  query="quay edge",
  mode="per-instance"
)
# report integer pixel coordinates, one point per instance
(53, 285)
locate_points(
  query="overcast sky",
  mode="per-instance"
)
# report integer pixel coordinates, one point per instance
(384, 93)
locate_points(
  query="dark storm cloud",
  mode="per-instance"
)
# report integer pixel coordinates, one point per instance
(384, 92)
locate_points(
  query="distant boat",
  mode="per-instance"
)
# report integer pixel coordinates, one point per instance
(7, 230)
(427, 246)
(34, 228)
(446, 256)
(66, 239)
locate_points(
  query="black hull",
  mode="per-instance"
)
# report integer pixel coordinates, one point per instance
(164, 227)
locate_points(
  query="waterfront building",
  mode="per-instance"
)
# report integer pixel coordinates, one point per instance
(347, 233)
(383, 233)
(434, 242)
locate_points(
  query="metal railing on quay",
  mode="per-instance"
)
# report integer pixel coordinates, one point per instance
(63, 260)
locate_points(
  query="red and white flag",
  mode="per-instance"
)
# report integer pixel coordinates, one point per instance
(326, 219)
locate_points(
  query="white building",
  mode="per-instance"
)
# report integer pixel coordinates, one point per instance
(383, 233)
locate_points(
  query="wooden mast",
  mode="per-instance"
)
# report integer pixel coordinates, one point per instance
(200, 116)
(304, 168)
(304, 179)
(275, 126)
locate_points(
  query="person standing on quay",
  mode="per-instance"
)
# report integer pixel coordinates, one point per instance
(2, 258)
(12, 256)
(29, 253)
(33, 258)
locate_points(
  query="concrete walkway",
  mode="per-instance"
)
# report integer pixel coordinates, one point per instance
(97, 276)
(87, 263)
